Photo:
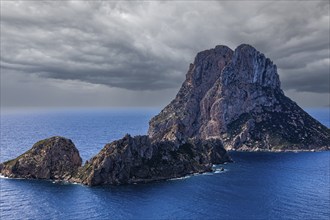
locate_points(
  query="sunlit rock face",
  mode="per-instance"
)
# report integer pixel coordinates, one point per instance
(236, 96)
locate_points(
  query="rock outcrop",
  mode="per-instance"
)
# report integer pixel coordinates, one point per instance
(235, 96)
(54, 158)
(137, 159)
(125, 161)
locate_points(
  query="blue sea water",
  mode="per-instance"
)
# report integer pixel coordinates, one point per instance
(255, 186)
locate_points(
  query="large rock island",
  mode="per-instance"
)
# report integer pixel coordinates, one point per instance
(230, 99)
(236, 96)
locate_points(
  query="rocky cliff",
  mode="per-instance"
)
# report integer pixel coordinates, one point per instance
(54, 158)
(236, 96)
(136, 160)
(128, 160)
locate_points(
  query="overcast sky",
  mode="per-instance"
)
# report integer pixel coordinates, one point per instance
(80, 53)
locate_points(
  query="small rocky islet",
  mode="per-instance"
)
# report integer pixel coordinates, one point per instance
(230, 100)
(125, 161)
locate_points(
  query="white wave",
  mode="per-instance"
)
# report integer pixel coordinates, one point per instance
(220, 170)
(207, 174)
(6, 177)
(3, 177)
(181, 178)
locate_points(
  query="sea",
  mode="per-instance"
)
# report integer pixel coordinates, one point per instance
(256, 186)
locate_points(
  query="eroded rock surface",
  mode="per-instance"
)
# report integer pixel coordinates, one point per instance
(235, 96)
(137, 159)
(125, 161)
(53, 158)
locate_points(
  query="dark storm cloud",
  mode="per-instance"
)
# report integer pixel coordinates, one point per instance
(82, 45)
(314, 77)
(147, 46)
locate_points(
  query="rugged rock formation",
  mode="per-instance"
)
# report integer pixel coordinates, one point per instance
(136, 159)
(235, 96)
(128, 160)
(53, 158)
(229, 98)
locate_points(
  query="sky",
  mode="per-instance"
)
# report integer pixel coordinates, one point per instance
(136, 54)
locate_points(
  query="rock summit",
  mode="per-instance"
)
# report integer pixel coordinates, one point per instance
(235, 96)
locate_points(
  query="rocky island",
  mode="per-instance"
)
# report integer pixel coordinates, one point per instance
(137, 159)
(53, 158)
(230, 100)
(125, 161)
(235, 96)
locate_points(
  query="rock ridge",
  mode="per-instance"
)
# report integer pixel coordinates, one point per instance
(137, 159)
(124, 161)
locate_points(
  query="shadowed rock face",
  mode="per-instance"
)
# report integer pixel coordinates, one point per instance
(235, 96)
(136, 159)
(53, 158)
(128, 160)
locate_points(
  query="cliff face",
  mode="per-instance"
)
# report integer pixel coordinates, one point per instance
(54, 158)
(235, 96)
(136, 159)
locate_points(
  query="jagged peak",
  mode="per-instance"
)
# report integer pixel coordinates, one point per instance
(245, 46)
(246, 50)
(222, 48)
(248, 65)
(244, 65)
(219, 49)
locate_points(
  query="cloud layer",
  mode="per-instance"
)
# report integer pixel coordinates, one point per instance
(143, 49)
